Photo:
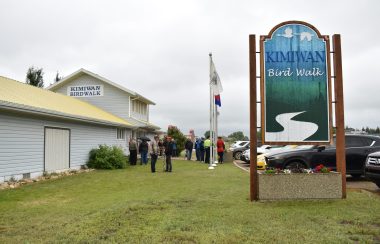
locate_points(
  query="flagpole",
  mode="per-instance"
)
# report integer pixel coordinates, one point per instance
(211, 116)
(216, 133)
(213, 148)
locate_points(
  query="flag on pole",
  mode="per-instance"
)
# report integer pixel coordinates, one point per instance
(218, 101)
(215, 83)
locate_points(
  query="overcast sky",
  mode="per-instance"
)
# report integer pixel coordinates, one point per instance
(160, 50)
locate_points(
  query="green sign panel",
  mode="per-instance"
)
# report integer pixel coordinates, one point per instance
(295, 83)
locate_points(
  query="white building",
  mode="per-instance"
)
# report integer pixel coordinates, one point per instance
(45, 131)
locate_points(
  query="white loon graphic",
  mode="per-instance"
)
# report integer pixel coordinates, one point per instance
(288, 33)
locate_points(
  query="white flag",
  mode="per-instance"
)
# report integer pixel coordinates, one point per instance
(215, 83)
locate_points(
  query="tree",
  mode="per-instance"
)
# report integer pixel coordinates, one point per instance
(34, 77)
(238, 136)
(57, 77)
(178, 136)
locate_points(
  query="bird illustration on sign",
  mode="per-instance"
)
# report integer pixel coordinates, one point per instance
(288, 33)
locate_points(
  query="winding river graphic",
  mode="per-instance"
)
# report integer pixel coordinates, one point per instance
(296, 86)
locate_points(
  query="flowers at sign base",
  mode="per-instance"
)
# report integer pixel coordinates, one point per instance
(319, 169)
(322, 169)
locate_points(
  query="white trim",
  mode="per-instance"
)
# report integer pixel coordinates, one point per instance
(129, 107)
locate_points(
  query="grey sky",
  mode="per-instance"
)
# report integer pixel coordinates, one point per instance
(160, 49)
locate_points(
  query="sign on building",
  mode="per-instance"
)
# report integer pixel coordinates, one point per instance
(295, 84)
(85, 91)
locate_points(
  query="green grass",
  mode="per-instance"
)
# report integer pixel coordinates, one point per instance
(190, 205)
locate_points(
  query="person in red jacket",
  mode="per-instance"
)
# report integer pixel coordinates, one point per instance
(220, 148)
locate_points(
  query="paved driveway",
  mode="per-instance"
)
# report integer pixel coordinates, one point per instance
(352, 183)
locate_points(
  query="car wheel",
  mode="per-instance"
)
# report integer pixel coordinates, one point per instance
(295, 165)
(237, 155)
(356, 176)
(377, 183)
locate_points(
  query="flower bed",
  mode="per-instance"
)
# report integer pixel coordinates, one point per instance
(318, 183)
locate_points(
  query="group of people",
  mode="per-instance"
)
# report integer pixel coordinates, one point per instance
(168, 149)
(202, 149)
(156, 147)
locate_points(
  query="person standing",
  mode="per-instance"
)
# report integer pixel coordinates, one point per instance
(197, 149)
(161, 147)
(220, 149)
(132, 151)
(202, 149)
(154, 154)
(189, 148)
(168, 144)
(143, 149)
(174, 148)
(207, 145)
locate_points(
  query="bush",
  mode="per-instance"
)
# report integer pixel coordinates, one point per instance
(106, 157)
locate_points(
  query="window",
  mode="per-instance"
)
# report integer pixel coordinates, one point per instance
(353, 141)
(139, 107)
(120, 133)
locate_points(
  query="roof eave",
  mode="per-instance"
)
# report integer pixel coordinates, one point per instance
(46, 112)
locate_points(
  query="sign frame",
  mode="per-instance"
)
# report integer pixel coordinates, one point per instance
(326, 39)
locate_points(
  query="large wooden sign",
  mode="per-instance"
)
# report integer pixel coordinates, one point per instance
(295, 85)
(295, 92)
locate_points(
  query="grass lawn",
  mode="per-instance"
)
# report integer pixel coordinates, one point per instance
(190, 205)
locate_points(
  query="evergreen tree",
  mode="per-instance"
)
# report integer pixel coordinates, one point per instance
(377, 130)
(34, 77)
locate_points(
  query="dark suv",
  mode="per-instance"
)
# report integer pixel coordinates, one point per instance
(357, 149)
(372, 168)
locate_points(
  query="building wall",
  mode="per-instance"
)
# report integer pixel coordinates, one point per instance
(22, 142)
(114, 100)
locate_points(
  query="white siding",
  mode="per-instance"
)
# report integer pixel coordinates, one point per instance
(114, 100)
(22, 142)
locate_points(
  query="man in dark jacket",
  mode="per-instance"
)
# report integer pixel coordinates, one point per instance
(168, 144)
(189, 148)
(143, 149)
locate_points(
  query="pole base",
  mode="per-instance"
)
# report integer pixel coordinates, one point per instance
(211, 167)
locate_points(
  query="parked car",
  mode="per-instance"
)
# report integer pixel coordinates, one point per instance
(267, 148)
(238, 148)
(246, 158)
(357, 149)
(372, 168)
(260, 156)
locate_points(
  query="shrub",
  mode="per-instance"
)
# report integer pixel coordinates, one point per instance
(106, 157)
